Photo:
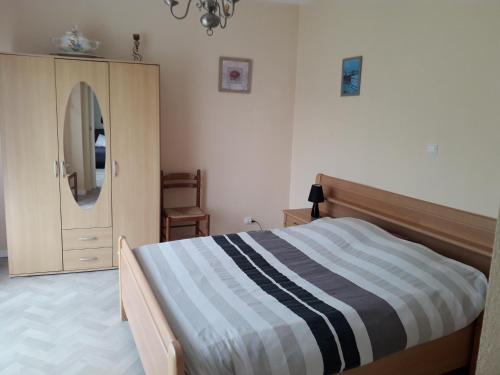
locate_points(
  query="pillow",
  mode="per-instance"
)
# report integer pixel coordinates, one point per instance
(101, 141)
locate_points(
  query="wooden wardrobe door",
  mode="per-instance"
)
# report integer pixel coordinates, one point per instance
(69, 73)
(135, 145)
(29, 151)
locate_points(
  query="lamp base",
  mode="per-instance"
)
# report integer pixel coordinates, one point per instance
(315, 211)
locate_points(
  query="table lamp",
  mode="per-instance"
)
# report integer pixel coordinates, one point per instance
(316, 196)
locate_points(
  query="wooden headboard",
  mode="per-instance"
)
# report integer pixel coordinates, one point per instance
(456, 234)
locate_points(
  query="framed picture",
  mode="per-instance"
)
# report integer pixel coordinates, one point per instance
(235, 75)
(351, 76)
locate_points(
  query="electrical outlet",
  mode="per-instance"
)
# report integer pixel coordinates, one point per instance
(247, 220)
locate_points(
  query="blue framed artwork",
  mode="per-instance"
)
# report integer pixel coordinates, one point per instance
(351, 76)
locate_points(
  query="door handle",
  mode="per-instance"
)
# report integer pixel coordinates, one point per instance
(89, 238)
(63, 168)
(115, 168)
(89, 259)
(56, 168)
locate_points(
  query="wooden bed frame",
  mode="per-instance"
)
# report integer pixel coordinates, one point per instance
(456, 234)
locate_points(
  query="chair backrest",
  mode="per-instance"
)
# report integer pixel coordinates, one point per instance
(182, 181)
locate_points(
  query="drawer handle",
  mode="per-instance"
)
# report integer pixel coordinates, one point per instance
(89, 238)
(89, 259)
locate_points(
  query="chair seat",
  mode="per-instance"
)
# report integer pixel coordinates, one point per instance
(183, 212)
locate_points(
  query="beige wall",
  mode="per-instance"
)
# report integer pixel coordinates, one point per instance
(430, 75)
(488, 361)
(242, 142)
(6, 27)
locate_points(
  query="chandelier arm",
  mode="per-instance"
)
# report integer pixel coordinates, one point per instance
(233, 7)
(185, 14)
(222, 14)
(223, 6)
(223, 24)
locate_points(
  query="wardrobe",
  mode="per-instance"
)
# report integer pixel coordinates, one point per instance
(81, 160)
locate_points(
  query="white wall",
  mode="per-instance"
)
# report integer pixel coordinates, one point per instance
(74, 138)
(430, 75)
(241, 142)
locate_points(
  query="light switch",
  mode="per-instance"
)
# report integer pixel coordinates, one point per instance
(433, 149)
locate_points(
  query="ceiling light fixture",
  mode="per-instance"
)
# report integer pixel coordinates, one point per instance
(216, 12)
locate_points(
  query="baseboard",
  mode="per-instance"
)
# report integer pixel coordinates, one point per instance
(3, 253)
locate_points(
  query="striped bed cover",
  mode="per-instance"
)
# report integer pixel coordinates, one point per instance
(314, 299)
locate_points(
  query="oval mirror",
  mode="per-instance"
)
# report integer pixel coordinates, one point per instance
(84, 146)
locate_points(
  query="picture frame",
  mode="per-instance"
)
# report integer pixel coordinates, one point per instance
(351, 76)
(235, 75)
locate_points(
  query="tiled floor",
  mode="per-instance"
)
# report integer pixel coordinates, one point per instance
(64, 324)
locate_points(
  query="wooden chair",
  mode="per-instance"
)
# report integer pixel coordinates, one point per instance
(178, 217)
(73, 184)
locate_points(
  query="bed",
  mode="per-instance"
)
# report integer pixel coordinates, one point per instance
(100, 149)
(341, 294)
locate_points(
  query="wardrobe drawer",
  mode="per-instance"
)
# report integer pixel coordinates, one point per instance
(88, 259)
(91, 238)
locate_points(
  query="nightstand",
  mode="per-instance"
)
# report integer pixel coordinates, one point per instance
(296, 217)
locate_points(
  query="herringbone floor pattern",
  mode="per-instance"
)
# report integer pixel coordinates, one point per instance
(64, 324)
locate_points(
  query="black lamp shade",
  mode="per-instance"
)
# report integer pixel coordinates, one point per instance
(316, 194)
